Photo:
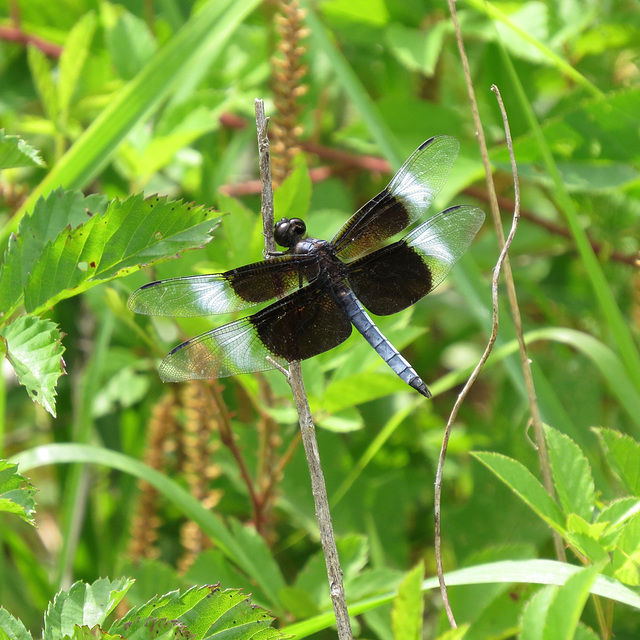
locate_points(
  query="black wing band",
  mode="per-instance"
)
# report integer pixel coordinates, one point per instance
(405, 199)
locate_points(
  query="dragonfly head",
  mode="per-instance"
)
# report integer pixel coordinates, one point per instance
(288, 232)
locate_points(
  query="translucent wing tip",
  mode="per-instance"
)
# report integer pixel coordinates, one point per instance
(449, 140)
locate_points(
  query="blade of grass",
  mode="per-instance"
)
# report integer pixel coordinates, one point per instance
(538, 571)
(74, 506)
(211, 524)
(354, 88)
(554, 59)
(209, 28)
(611, 312)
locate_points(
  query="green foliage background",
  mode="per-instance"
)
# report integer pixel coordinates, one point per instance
(136, 97)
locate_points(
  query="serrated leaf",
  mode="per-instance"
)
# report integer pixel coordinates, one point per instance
(76, 49)
(11, 627)
(170, 605)
(50, 216)
(524, 484)
(131, 233)
(554, 612)
(34, 349)
(83, 604)
(40, 68)
(571, 474)
(535, 613)
(152, 628)
(564, 612)
(588, 547)
(626, 557)
(15, 152)
(623, 455)
(202, 38)
(408, 606)
(16, 492)
(93, 633)
(206, 612)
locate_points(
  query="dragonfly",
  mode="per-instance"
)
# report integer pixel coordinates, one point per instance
(324, 288)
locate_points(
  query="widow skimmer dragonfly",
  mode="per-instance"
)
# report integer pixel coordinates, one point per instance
(319, 296)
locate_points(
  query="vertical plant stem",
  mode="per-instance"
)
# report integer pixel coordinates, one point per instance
(264, 158)
(319, 490)
(476, 372)
(534, 409)
(307, 428)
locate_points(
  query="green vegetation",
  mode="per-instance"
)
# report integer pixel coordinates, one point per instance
(128, 153)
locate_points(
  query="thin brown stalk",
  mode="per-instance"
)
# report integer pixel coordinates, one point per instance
(309, 441)
(16, 34)
(492, 339)
(543, 458)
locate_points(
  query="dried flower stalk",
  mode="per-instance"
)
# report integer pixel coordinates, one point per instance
(145, 524)
(199, 448)
(288, 72)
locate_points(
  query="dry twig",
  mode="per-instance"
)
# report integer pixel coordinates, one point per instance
(476, 371)
(307, 430)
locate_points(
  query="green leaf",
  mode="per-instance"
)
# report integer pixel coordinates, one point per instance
(207, 31)
(571, 474)
(619, 511)
(623, 455)
(149, 629)
(589, 547)
(626, 556)
(566, 607)
(131, 233)
(15, 152)
(617, 323)
(357, 389)
(510, 571)
(256, 547)
(208, 521)
(370, 12)
(417, 49)
(523, 483)
(585, 633)
(292, 198)
(74, 54)
(43, 80)
(352, 85)
(11, 628)
(408, 606)
(34, 349)
(535, 613)
(552, 58)
(606, 360)
(213, 562)
(129, 40)
(16, 493)
(59, 210)
(312, 578)
(205, 612)
(83, 604)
